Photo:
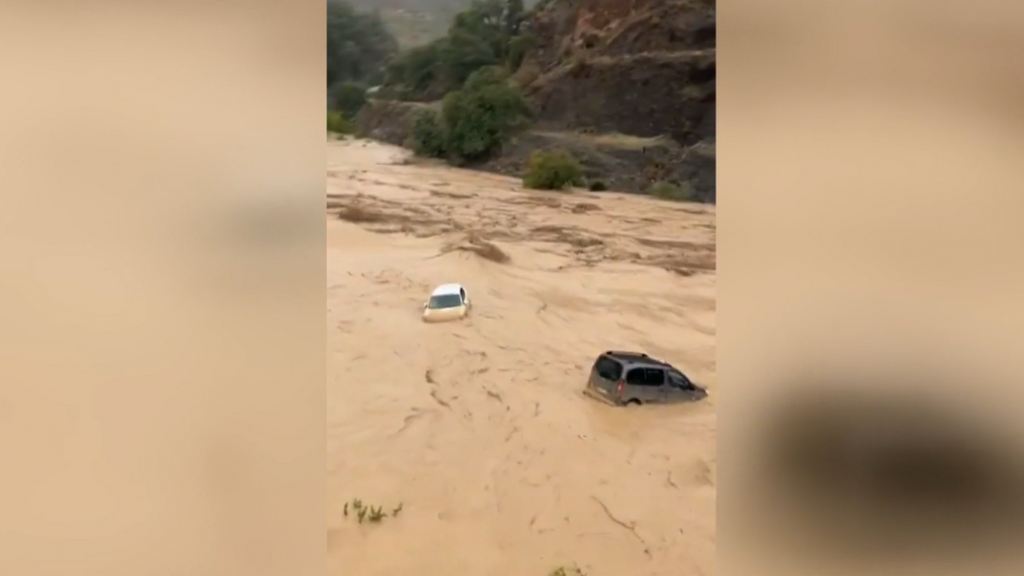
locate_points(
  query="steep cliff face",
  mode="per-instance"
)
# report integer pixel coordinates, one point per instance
(642, 67)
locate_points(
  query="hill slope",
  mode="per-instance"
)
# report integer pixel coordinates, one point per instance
(642, 68)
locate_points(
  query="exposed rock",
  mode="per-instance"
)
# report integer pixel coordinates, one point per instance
(640, 67)
(389, 121)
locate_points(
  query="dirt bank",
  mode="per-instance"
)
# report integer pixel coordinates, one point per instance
(478, 428)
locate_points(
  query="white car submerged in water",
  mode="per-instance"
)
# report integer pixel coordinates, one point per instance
(446, 302)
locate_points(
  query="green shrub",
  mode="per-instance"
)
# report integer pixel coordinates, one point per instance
(338, 124)
(682, 191)
(487, 76)
(598, 186)
(428, 135)
(347, 98)
(518, 46)
(552, 170)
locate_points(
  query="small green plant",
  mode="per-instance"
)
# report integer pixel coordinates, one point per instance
(338, 124)
(571, 570)
(598, 186)
(552, 170)
(369, 513)
(377, 514)
(682, 192)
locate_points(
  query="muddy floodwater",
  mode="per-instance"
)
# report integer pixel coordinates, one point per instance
(478, 428)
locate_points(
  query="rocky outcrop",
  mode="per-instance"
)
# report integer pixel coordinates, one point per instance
(388, 121)
(650, 94)
(639, 67)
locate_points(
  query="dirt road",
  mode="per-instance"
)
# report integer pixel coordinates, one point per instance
(478, 428)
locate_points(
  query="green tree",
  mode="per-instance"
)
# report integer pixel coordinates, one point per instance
(478, 118)
(463, 54)
(514, 16)
(487, 33)
(417, 69)
(358, 45)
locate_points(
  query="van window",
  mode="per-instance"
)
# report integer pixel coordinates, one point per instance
(636, 377)
(646, 377)
(608, 369)
(654, 377)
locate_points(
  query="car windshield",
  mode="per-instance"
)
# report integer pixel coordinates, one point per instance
(678, 378)
(444, 301)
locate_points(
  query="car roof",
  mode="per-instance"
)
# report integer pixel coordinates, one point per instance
(627, 357)
(446, 289)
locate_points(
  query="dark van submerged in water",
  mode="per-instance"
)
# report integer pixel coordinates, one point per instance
(625, 378)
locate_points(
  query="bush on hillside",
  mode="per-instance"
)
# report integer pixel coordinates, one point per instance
(552, 170)
(337, 123)
(428, 135)
(474, 121)
(478, 118)
(679, 191)
(597, 186)
(487, 76)
(518, 46)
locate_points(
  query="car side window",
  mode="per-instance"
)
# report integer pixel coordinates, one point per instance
(654, 376)
(636, 377)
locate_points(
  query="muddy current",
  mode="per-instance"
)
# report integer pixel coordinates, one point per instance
(468, 445)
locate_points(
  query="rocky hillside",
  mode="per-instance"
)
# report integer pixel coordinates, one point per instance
(389, 120)
(641, 67)
(628, 85)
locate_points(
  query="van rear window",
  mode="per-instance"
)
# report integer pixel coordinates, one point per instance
(608, 368)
